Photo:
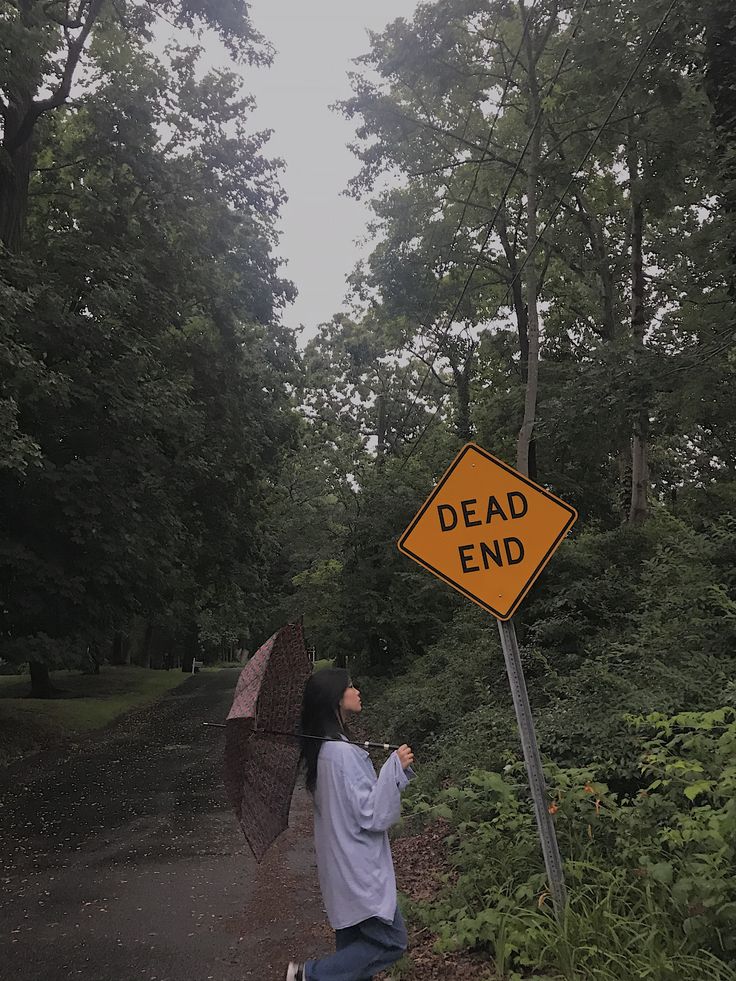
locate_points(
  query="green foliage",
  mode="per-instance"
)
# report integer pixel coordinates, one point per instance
(612, 625)
(688, 606)
(437, 698)
(609, 632)
(650, 878)
(144, 378)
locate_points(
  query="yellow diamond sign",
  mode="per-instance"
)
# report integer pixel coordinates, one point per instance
(487, 530)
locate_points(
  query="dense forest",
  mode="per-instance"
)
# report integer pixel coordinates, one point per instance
(551, 273)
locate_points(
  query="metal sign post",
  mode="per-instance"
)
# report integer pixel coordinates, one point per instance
(545, 824)
(488, 531)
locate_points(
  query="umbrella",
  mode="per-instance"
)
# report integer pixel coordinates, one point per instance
(261, 738)
(260, 773)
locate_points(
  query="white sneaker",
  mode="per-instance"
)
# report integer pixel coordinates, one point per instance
(295, 972)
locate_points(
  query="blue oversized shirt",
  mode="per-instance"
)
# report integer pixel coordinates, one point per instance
(353, 810)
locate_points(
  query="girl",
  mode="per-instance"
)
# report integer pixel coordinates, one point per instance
(353, 810)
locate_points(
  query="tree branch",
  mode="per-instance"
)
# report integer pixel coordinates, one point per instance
(61, 20)
(552, 23)
(433, 128)
(49, 170)
(556, 147)
(430, 365)
(74, 52)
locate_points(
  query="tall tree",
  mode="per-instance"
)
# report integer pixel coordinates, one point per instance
(43, 50)
(512, 116)
(720, 67)
(144, 304)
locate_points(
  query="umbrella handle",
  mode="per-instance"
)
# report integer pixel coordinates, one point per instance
(295, 735)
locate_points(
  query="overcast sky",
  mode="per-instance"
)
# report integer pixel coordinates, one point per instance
(315, 42)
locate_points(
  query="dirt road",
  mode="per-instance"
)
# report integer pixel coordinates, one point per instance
(121, 859)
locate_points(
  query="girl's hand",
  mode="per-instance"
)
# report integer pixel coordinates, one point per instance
(406, 757)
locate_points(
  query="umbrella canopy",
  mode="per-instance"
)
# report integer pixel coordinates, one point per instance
(260, 772)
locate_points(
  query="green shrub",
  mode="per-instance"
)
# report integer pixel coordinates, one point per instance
(610, 631)
(651, 878)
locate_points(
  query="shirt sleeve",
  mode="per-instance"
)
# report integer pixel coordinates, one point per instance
(376, 805)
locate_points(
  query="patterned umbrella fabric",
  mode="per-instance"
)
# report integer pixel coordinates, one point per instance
(261, 770)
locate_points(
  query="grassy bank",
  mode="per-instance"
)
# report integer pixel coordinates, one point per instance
(85, 703)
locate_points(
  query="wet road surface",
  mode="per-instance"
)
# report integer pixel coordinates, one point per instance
(120, 858)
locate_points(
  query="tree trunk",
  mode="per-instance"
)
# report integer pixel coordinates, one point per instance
(603, 266)
(640, 438)
(602, 260)
(15, 175)
(380, 429)
(461, 375)
(639, 469)
(41, 686)
(147, 641)
(22, 110)
(93, 660)
(464, 430)
(720, 54)
(517, 292)
(522, 322)
(120, 649)
(190, 648)
(532, 273)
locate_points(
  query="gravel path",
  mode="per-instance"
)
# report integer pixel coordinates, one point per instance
(121, 859)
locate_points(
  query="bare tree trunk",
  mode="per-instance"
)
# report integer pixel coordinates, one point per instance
(120, 649)
(640, 436)
(380, 429)
(41, 686)
(15, 175)
(720, 54)
(532, 273)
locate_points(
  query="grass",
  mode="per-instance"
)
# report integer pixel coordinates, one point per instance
(86, 702)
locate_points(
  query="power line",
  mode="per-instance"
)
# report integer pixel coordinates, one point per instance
(489, 232)
(561, 199)
(448, 325)
(425, 317)
(710, 351)
(606, 121)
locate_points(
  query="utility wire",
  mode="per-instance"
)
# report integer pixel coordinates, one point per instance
(479, 163)
(606, 121)
(561, 199)
(490, 227)
(509, 78)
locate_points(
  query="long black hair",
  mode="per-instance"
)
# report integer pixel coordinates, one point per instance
(321, 715)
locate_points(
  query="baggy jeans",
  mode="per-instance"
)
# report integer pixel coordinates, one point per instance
(362, 951)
